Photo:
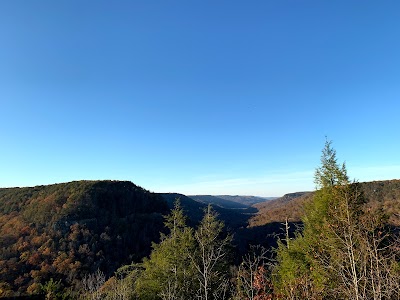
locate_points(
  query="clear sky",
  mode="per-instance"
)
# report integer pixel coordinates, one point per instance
(198, 97)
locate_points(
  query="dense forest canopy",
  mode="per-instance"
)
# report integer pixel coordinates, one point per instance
(64, 231)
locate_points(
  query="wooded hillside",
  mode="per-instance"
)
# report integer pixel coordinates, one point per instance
(59, 234)
(64, 231)
(291, 206)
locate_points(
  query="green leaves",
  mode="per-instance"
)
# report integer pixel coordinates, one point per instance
(168, 271)
(330, 173)
(186, 262)
(343, 250)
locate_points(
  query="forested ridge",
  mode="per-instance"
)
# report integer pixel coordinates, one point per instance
(115, 240)
(385, 193)
(65, 231)
(230, 201)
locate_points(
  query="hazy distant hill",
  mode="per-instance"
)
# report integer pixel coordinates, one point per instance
(217, 201)
(193, 209)
(233, 214)
(246, 200)
(290, 206)
(64, 231)
(227, 201)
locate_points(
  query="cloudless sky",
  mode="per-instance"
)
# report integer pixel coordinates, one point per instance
(198, 97)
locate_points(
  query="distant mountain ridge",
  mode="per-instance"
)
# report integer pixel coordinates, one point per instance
(229, 201)
(234, 215)
(247, 200)
(217, 201)
(290, 206)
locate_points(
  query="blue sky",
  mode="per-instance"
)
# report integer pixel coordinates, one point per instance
(198, 97)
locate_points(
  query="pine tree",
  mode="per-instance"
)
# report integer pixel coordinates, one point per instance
(300, 273)
(168, 273)
(343, 250)
(330, 173)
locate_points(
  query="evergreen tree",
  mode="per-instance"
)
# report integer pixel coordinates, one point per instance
(299, 273)
(339, 254)
(330, 173)
(168, 273)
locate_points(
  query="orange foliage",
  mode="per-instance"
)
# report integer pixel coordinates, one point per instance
(34, 259)
(262, 284)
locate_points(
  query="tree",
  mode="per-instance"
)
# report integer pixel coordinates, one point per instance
(168, 273)
(299, 274)
(121, 285)
(330, 173)
(92, 285)
(253, 278)
(52, 289)
(343, 251)
(211, 258)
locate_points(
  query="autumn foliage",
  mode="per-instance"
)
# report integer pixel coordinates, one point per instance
(65, 231)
